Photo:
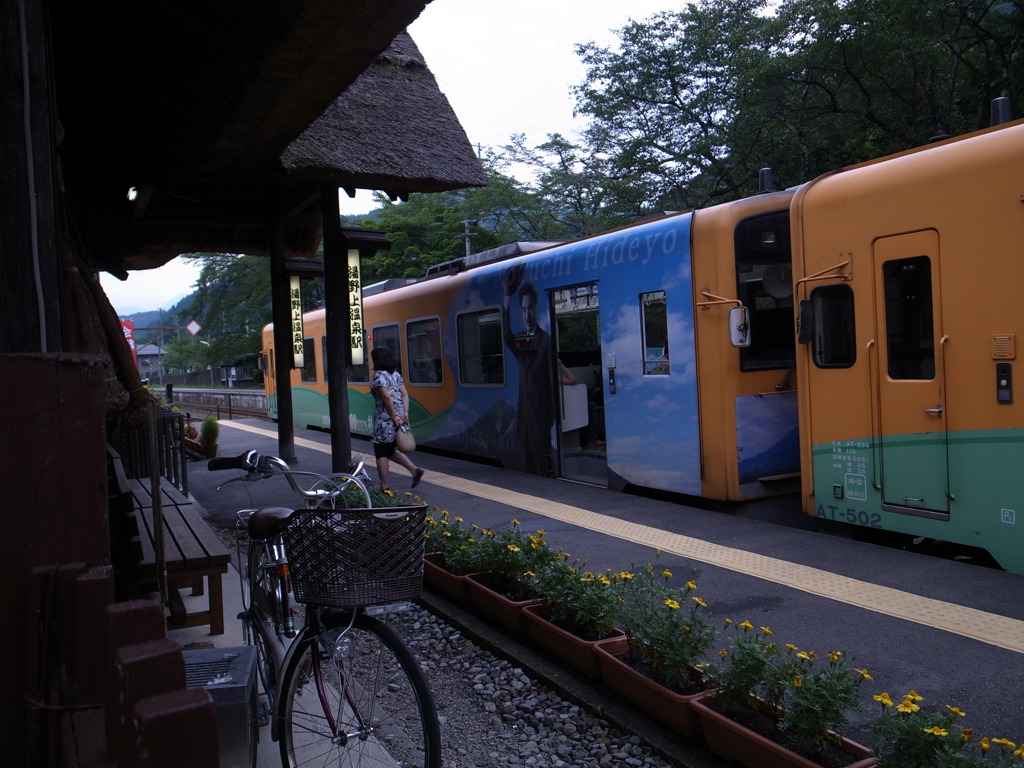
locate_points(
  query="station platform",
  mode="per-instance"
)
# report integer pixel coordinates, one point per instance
(953, 631)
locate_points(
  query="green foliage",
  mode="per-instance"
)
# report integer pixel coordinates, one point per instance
(817, 697)
(667, 625)
(749, 670)
(693, 102)
(907, 735)
(810, 696)
(580, 601)
(209, 430)
(451, 538)
(511, 558)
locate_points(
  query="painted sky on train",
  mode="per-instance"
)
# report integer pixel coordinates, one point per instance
(506, 67)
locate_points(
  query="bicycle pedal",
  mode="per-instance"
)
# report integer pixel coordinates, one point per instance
(262, 711)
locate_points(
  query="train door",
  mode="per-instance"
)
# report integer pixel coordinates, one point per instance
(910, 381)
(581, 452)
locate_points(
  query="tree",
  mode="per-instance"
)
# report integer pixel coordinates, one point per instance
(694, 102)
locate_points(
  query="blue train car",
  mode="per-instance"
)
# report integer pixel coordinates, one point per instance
(610, 359)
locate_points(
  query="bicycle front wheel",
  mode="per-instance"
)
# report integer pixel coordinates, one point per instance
(354, 696)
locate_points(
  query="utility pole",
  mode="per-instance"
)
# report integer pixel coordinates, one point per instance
(468, 236)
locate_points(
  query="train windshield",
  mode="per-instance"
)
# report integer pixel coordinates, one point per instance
(764, 280)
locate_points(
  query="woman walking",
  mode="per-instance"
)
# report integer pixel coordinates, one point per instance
(392, 400)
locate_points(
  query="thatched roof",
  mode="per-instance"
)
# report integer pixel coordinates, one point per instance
(230, 117)
(375, 131)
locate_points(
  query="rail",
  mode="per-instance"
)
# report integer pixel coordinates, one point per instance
(224, 403)
(161, 436)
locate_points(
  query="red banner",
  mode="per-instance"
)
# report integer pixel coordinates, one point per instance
(129, 335)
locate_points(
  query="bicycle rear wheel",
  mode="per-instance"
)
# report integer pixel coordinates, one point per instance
(374, 691)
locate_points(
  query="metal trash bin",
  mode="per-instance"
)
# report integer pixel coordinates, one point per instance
(229, 676)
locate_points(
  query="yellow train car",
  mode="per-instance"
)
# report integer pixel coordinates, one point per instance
(907, 271)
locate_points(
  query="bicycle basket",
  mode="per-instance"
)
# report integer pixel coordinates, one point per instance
(354, 557)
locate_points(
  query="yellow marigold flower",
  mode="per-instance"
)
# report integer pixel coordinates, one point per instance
(804, 655)
(966, 734)
(955, 711)
(529, 573)
(985, 744)
(605, 580)
(863, 673)
(513, 548)
(791, 647)
(667, 573)
(936, 731)
(699, 602)
(767, 631)
(1004, 743)
(883, 699)
(515, 522)
(723, 653)
(446, 533)
(913, 695)
(541, 532)
(835, 656)
(798, 681)
(625, 575)
(1019, 752)
(907, 706)
(672, 604)
(691, 585)
(746, 626)
(728, 621)
(458, 519)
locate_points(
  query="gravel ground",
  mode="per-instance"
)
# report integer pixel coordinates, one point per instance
(494, 715)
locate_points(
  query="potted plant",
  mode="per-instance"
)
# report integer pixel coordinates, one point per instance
(505, 563)
(190, 435)
(449, 558)
(209, 431)
(907, 735)
(667, 635)
(783, 709)
(578, 608)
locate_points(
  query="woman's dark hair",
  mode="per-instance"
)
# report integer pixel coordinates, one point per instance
(383, 360)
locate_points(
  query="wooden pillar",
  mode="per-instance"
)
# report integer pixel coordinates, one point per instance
(281, 316)
(337, 325)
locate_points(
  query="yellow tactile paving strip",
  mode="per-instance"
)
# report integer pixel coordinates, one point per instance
(989, 628)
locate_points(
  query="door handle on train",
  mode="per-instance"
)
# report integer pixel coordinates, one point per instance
(937, 410)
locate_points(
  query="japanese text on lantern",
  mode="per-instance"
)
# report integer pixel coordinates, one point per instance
(295, 302)
(355, 309)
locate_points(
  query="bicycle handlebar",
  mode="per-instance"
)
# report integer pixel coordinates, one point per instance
(257, 467)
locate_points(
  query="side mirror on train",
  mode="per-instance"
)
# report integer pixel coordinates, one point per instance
(739, 326)
(805, 322)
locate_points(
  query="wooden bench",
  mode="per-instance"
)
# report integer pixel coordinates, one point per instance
(193, 555)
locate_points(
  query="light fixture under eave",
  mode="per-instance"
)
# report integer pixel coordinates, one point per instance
(133, 192)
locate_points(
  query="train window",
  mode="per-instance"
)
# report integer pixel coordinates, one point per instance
(764, 285)
(390, 337)
(481, 350)
(834, 339)
(654, 324)
(423, 338)
(909, 329)
(309, 354)
(360, 373)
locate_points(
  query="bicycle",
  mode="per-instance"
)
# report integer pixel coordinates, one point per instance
(344, 690)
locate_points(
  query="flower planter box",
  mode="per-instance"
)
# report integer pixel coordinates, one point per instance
(445, 583)
(661, 703)
(733, 741)
(503, 612)
(565, 646)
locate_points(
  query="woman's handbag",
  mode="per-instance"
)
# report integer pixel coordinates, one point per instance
(404, 439)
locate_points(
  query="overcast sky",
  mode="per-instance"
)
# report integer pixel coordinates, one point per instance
(506, 67)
